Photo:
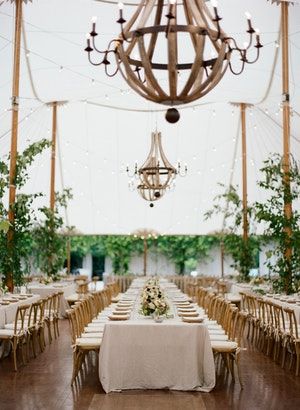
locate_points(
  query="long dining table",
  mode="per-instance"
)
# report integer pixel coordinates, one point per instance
(141, 354)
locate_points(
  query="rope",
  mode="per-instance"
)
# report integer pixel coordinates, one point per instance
(277, 123)
(141, 110)
(271, 79)
(232, 169)
(28, 64)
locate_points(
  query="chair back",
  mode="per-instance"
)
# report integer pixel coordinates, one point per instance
(20, 319)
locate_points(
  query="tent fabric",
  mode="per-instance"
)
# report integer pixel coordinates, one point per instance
(103, 126)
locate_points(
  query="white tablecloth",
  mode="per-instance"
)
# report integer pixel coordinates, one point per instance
(142, 354)
(46, 290)
(8, 312)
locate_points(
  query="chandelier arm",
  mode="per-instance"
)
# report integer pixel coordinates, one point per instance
(257, 57)
(132, 80)
(110, 74)
(237, 72)
(90, 60)
(195, 68)
(150, 79)
(95, 48)
(250, 41)
(157, 22)
(172, 58)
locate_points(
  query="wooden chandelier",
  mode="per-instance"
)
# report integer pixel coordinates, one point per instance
(157, 174)
(163, 28)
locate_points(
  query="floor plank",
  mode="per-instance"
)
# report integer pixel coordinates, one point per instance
(44, 383)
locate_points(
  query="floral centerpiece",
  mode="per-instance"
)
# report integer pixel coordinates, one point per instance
(153, 300)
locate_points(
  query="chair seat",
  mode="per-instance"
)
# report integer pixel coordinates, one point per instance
(214, 327)
(6, 333)
(218, 338)
(223, 346)
(216, 331)
(97, 335)
(11, 326)
(88, 343)
(94, 329)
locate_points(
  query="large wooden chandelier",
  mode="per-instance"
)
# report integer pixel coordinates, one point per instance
(157, 174)
(175, 30)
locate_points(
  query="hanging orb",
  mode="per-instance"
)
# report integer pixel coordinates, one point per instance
(172, 115)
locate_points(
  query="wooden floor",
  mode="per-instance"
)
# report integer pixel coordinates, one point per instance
(44, 383)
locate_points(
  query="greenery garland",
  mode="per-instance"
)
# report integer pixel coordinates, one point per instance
(275, 223)
(15, 259)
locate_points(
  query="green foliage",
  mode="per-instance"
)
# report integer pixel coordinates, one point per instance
(119, 249)
(49, 243)
(242, 252)
(277, 225)
(180, 249)
(82, 245)
(15, 246)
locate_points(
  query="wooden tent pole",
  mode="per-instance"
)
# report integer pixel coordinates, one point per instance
(222, 258)
(243, 108)
(53, 155)
(286, 133)
(145, 256)
(14, 136)
(69, 256)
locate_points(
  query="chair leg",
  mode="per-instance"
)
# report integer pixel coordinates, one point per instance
(14, 349)
(283, 356)
(49, 331)
(291, 361)
(297, 363)
(237, 361)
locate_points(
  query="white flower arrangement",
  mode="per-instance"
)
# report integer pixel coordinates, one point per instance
(153, 300)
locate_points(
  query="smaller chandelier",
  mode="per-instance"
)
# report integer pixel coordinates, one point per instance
(157, 174)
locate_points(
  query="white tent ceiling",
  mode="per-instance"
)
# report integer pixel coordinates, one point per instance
(96, 142)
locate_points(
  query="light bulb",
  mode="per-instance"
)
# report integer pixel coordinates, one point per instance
(257, 31)
(120, 5)
(248, 15)
(88, 36)
(94, 19)
(245, 44)
(214, 3)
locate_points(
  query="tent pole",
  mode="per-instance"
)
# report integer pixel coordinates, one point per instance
(243, 108)
(145, 256)
(222, 258)
(14, 137)
(288, 213)
(53, 155)
(69, 256)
